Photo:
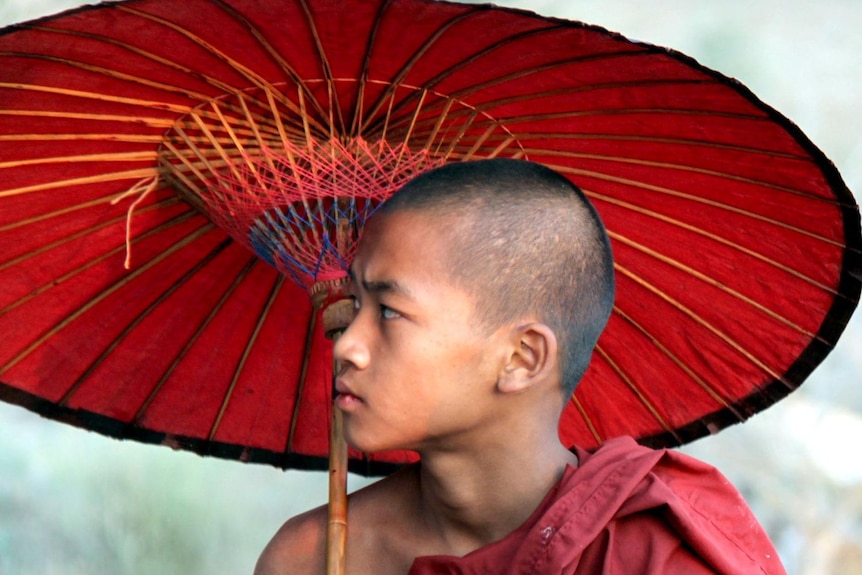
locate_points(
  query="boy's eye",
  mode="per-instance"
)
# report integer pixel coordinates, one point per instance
(388, 313)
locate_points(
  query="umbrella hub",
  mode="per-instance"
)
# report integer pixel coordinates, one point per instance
(299, 205)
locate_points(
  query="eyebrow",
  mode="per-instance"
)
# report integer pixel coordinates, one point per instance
(382, 286)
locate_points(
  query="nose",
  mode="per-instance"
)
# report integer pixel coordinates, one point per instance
(350, 347)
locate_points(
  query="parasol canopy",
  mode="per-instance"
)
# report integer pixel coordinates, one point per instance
(166, 131)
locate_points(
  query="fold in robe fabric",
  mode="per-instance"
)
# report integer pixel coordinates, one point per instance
(628, 509)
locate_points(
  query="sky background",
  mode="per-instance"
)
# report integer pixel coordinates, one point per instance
(74, 502)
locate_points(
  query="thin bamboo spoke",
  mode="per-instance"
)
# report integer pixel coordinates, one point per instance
(62, 211)
(334, 111)
(251, 75)
(719, 239)
(405, 69)
(573, 114)
(300, 384)
(202, 327)
(109, 254)
(136, 175)
(83, 233)
(358, 116)
(686, 142)
(681, 168)
(277, 57)
(727, 339)
(200, 232)
(172, 64)
(154, 123)
(464, 94)
(717, 396)
(587, 420)
(697, 199)
(264, 315)
(714, 283)
(106, 137)
(146, 156)
(97, 96)
(111, 73)
(466, 60)
(638, 393)
(206, 259)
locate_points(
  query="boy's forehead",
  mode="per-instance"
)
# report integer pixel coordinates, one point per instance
(405, 234)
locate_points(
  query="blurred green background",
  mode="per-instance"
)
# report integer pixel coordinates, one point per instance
(72, 502)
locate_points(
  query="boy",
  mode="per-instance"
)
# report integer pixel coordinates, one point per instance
(480, 291)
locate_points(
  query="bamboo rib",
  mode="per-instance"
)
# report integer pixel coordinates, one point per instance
(257, 80)
(438, 123)
(731, 342)
(147, 156)
(681, 168)
(412, 123)
(405, 69)
(587, 420)
(110, 73)
(357, 120)
(67, 396)
(558, 93)
(200, 232)
(111, 253)
(171, 64)
(264, 315)
(300, 384)
(115, 137)
(706, 387)
(155, 123)
(683, 142)
(101, 97)
(637, 392)
(83, 233)
(291, 73)
(69, 209)
(205, 161)
(220, 151)
(719, 239)
(573, 114)
(465, 93)
(136, 175)
(228, 128)
(240, 277)
(464, 127)
(480, 141)
(714, 283)
(192, 186)
(334, 105)
(697, 199)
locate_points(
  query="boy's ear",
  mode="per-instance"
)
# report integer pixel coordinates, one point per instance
(532, 358)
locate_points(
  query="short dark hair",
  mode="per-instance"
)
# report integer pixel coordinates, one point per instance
(532, 243)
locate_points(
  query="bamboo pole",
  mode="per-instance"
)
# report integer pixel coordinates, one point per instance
(336, 317)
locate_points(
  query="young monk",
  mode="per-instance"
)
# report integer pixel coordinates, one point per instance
(480, 291)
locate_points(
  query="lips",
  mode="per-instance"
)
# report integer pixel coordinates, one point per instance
(346, 399)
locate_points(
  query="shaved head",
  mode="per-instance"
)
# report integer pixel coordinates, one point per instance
(523, 240)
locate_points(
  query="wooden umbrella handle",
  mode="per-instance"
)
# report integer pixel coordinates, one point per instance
(336, 318)
(336, 531)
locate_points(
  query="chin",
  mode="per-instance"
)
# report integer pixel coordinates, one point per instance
(368, 443)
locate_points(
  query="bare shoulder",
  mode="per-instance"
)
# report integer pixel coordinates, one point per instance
(379, 538)
(298, 547)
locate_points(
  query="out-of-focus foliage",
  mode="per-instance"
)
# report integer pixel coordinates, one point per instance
(72, 502)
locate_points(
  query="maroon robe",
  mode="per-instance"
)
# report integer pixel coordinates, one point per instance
(628, 510)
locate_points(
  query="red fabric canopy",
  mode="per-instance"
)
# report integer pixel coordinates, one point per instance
(737, 244)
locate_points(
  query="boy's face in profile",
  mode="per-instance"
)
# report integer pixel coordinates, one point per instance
(417, 369)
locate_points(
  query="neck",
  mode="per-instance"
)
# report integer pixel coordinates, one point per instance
(468, 499)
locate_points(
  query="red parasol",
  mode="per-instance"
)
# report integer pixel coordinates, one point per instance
(737, 243)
